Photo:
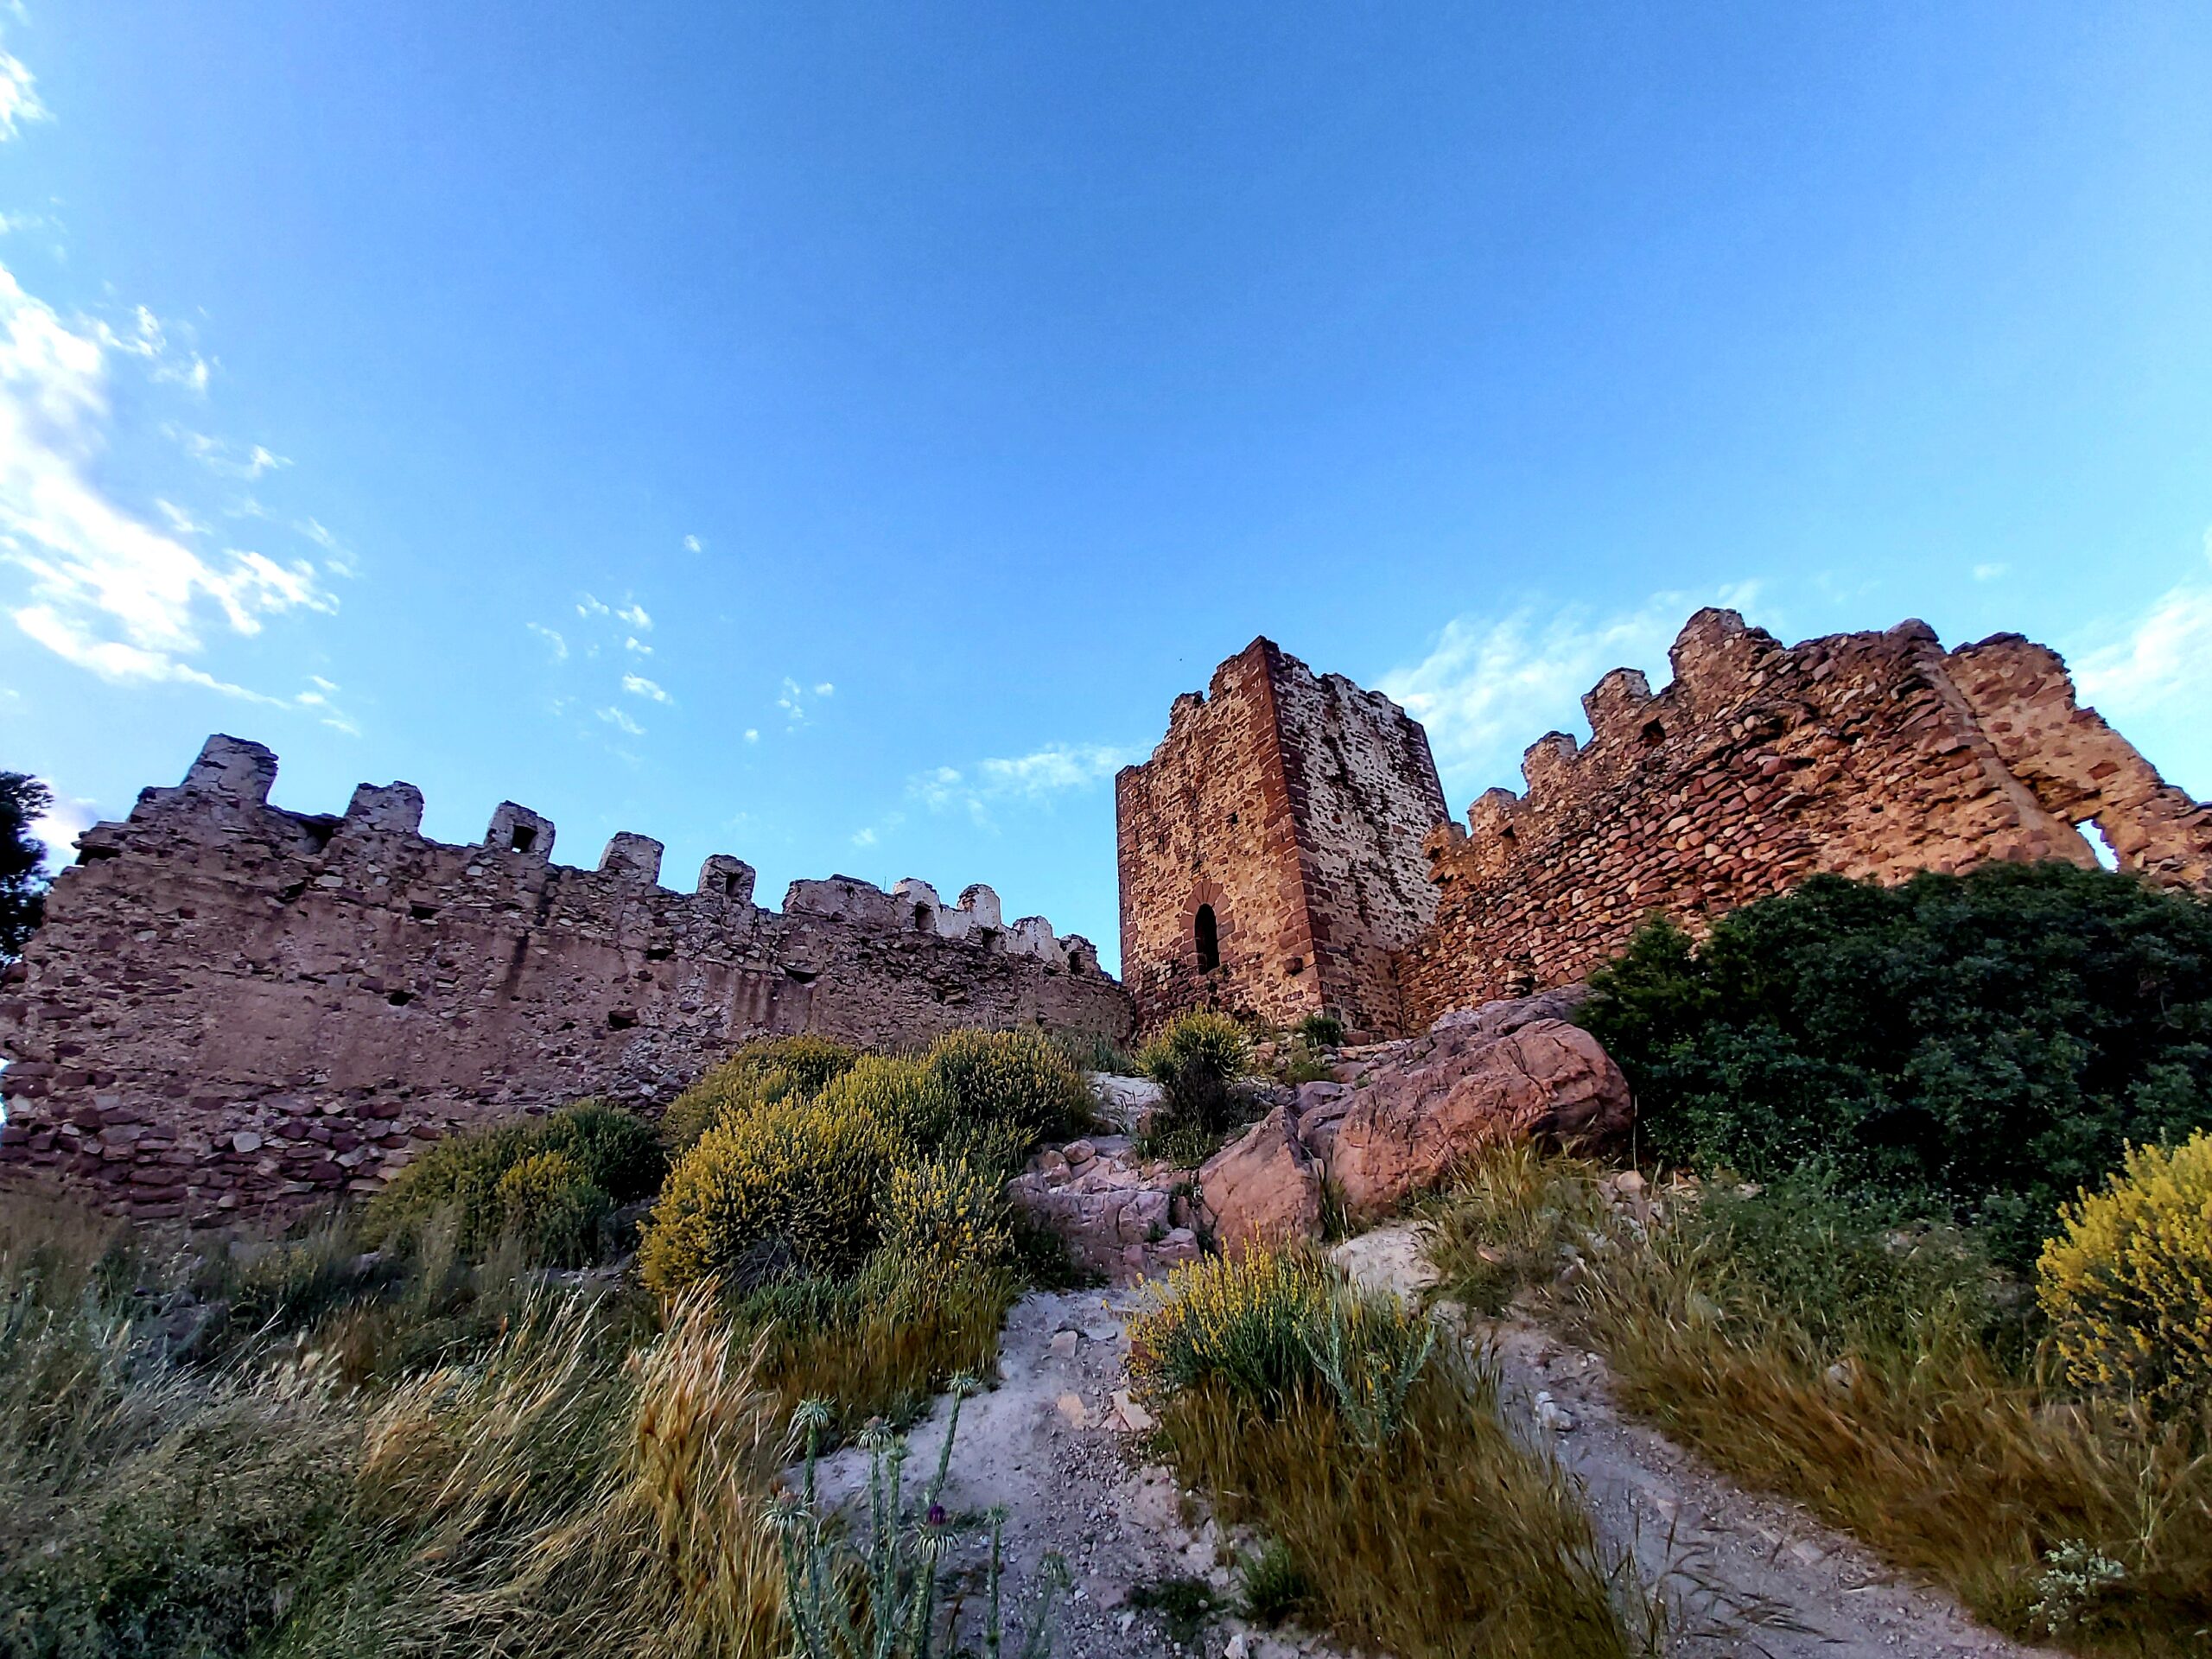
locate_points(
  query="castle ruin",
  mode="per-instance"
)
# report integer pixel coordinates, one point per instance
(1280, 818)
(231, 1006)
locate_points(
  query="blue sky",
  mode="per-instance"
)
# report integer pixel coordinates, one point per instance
(833, 434)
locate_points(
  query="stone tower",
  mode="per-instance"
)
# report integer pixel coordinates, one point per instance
(1271, 857)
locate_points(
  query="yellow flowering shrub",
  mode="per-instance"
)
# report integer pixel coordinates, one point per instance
(947, 1213)
(759, 1073)
(2127, 1283)
(551, 1205)
(1017, 1078)
(1241, 1322)
(901, 1094)
(800, 1179)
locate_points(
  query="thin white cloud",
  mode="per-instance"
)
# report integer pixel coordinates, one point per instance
(693, 544)
(180, 522)
(338, 559)
(864, 838)
(794, 709)
(637, 645)
(223, 459)
(753, 734)
(554, 642)
(2161, 660)
(60, 825)
(638, 686)
(635, 614)
(108, 591)
(621, 722)
(1491, 685)
(1031, 780)
(825, 689)
(19, 100)
(588, 606)
(1993, 571)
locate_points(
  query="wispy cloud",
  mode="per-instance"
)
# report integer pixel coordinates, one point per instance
(864, 837)
(1994, 571)
(2160, 660)
(635, 614)
(1493, 683)
(621, 722)
(1035, 779)
(228, 459)
(693, 544)
(107, 590)
(19, 99)
(554, 642)
(60, 825)
(753, 734)
(638, 686)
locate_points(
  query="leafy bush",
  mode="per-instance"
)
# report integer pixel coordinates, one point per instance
(1321, 1030)
(1370, 1353)
(617, 1151)
(1019, 1078)
(606, 1156)
(1986, 1044)
(553, 1208)
(2127, 1283)
(794, 1183)
(759, 1073)
(1197, 1060)
(904, 1096)
(944, 1214)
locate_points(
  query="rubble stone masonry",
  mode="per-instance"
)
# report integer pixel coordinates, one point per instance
(1271, 848)
(232, 1006)
(1872, 756)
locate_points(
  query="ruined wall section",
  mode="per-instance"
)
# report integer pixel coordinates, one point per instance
(1364, 797)
(1870, 755)
(231, 1005)
(1206, 823)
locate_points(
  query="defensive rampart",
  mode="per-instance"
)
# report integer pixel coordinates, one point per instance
(1872, 756)
(231, 1005)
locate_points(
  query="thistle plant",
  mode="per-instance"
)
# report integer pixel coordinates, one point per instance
(881, 1600)
(1370, 1356)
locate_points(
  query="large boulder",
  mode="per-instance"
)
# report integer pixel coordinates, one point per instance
(1422, 1109)
(1264, 1187)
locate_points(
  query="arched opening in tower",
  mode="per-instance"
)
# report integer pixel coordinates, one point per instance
(1209, 940)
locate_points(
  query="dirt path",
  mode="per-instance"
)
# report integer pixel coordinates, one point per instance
(1759, 1573)
(1747, 1574)
(1051, 1445)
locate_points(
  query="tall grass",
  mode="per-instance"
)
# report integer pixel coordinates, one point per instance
(1373, 1456)
(1881, 1374)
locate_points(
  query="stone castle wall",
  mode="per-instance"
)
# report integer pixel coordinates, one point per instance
(1290, 807)
(231, 1005)
(1872, 756)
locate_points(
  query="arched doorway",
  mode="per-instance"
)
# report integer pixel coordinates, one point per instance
(1207, 935)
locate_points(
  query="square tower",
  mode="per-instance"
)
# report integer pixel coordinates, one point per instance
(1271, 848)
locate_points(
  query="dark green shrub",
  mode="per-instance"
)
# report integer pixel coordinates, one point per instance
(616, 1151)
(552, 1208)
(1321, 1030)
(1017, 1077)
(1984, 1046)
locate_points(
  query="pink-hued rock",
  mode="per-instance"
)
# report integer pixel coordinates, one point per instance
(1418, 1112)
(1264, 1187)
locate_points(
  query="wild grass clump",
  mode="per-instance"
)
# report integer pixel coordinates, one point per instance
(581, 1163)
(1883, 1373)
(2127, 1282)
(1321, 1030)
(1372, 1455)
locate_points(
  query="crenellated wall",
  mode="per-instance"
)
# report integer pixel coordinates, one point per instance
(231, 1005)
(1872, 756)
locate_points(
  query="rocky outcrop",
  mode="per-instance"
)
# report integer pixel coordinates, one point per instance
(1119, 1217)
(1446, 1095)
(1409, 1112)
(1263, 1187)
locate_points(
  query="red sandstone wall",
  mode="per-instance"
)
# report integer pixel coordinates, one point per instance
(231, 1005)
(1294, 806)
(1872, 756)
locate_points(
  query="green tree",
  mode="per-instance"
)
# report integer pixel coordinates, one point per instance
(23, 861)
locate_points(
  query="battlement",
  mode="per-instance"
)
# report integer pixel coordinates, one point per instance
(214, 971)
(1870, 755)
